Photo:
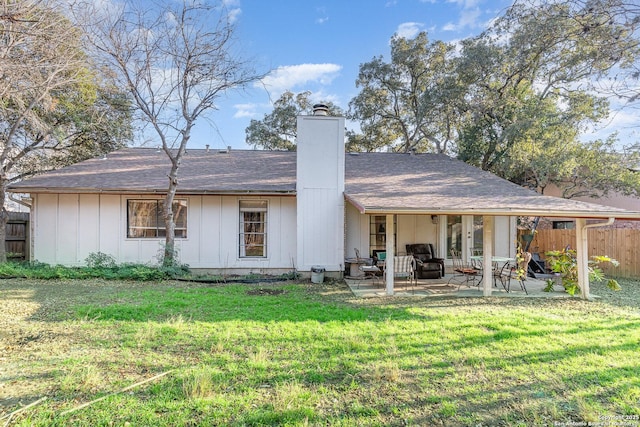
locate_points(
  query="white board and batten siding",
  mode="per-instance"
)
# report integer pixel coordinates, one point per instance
(320, 192)
(69, 227)
(421, 229)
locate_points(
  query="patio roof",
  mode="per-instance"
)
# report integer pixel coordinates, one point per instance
(394, 183)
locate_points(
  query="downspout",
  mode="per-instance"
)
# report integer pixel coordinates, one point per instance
(582, 253)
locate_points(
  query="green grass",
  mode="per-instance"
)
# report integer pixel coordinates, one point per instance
(305, 357)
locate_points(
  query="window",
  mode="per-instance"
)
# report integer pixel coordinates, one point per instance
(378, 233)
(144, 218)
(454, 233)
(564, 225)
(253, 228)
(478, 232)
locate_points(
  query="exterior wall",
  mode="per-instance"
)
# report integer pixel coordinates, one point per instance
(614, 199)
(68, 227)
(505, 236)
(356, 232)
(421, 229)
(320, 192)
(415, 229)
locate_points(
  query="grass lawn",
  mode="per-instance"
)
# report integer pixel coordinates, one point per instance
(302, 354)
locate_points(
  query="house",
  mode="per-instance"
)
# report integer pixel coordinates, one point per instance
(270, 211)
(613, 199)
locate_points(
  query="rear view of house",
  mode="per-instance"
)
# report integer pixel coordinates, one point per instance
(242, 211)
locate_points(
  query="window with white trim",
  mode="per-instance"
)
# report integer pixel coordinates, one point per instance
(253, 228)
(144, 218)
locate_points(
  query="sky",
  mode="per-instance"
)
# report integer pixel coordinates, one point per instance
(318, 45)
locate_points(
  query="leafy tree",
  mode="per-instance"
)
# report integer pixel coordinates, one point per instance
(277, 130)
(409, 102)
(55, 107)
(529, 82)
(175, 59)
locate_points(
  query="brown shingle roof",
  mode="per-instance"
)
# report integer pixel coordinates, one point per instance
(436, 183)
(145, 170)
(374, 182)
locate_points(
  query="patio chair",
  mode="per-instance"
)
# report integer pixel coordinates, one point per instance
(463, 273)
(370, 271)
(405, 266)
(379, 258)
(428, 266)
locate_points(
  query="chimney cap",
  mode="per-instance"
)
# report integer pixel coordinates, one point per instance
(320, 110)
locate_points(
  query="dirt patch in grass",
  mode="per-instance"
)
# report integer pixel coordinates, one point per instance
(265, 292)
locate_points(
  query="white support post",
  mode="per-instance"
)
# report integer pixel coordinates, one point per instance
(389, 267)
(582, 257)
(487, 254)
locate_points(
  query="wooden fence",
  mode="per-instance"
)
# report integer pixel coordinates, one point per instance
(622, 244)
(17, 237)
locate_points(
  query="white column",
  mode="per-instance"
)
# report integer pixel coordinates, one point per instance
(582, 257)
(389, 267)
(487, 253)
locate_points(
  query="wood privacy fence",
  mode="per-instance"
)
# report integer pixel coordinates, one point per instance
(17, 236)
(622, 244)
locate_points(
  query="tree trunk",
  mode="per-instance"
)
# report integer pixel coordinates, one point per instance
(169, 258)
(4, 218)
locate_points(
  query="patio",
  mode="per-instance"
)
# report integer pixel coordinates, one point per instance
(368, 288)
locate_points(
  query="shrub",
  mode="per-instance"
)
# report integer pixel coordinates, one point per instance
(100, 260)
(565, 263)
(99, 266)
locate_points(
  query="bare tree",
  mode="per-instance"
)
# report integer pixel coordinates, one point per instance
(54, 108)
(176, 59)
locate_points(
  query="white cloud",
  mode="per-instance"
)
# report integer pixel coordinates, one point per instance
(233, 9)
(324, 16)
(469, 15)
(233, 15)
(409, 30)
(289, 77)
(245, 110)
(465, 4)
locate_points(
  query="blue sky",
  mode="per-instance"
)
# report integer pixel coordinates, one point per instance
(318, 45)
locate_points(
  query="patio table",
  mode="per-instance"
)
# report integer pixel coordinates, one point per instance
(497, 260)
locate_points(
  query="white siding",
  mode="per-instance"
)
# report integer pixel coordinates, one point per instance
(88, 225)
(320, 192)
(68, 227)
(357, 232)
(420, 229)
(415, 229)
(504, 236)
(112, 226)
(69, 234)
(44, 215)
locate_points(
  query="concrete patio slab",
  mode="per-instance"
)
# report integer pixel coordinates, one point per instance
(369, 288)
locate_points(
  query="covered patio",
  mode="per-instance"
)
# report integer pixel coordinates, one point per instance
(370, 288)
(437, 185)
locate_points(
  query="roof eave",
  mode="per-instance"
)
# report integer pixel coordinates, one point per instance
(498, 212)
(48, 190)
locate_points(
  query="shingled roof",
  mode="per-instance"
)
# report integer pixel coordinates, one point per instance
(374, 182)
(145, 170)
(435, 183)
